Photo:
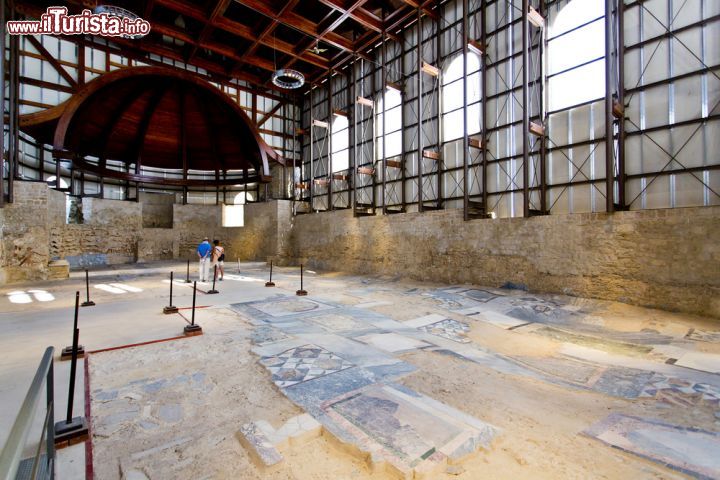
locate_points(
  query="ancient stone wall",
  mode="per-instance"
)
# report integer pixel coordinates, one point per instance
(668, 259)
(25, 246)
(157, 209)
(34, 232)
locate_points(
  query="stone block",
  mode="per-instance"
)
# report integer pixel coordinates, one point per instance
(259, 447)
(58, 269)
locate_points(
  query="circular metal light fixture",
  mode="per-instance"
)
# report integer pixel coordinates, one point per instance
(288, 78)
(119, 12)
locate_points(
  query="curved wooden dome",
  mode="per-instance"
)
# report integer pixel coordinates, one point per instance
(155, 117)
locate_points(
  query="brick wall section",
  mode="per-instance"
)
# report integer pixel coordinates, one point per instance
(667, 259)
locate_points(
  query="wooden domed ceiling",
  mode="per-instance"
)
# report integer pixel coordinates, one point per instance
(153, 117)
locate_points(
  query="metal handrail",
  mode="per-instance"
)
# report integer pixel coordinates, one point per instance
(13, 449)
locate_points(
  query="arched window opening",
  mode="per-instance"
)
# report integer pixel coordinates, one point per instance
(340, 143)
(576, 54)
(452, 97)
(388, 108)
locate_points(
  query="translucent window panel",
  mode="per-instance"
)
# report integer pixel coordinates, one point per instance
(577, 86)
(453, 126)
(683, 61)
(32, 67)
(651, 26)
(688, 189)
(393, 119)
(655, 64)
(576, 13)
(340, 161)
(655, 103)
(30, 92)
(688, 104)
(712, 48)
(576, 47)
(340, 133)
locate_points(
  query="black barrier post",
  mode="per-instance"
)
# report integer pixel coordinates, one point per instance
(271, 283)
(87, 303)
(72, 427)
(187, 277)
(67, 352)
(213, 291)
(193, 329)
(301, 292)
(238, 260)
(170, 308)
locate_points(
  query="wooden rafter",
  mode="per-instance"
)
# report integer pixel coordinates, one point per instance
(52, 61)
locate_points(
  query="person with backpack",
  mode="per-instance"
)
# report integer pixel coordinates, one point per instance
(218, 258)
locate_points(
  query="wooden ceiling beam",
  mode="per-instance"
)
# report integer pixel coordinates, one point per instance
(52, 61)
(237, 28)
(269, 114)
(289, 5)
(297, 22)
(363, 17)
(218, 10)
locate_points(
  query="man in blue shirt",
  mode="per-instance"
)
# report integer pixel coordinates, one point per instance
(203, 252)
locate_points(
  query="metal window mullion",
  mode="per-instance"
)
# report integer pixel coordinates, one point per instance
(609, 118)
(328, 133)
(526, 105)
(421, 112)
(466, 192)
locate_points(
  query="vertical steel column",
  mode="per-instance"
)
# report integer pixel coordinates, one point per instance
(438, 63)
(311, 175)
(183, 145)
(420, 112)
(542, 48)
(466, 183)
(609, 119)
(483, 79)
(526, 106)
(403, 95)
(620, 10)
(13, 138)
(373, 89)
(285, 152)
(353, 133)
(2, 119)
(384, 129)
(328, 132)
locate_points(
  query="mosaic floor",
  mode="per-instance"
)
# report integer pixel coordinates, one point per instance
(688, 450)
(420, 381)
(301, 364)
(354, 392)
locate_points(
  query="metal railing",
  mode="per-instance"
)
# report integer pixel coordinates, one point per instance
(41, 464)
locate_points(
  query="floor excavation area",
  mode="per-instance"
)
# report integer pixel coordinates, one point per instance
(366, 377)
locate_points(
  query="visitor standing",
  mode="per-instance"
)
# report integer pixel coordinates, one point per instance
(204, 255)
(218, 258)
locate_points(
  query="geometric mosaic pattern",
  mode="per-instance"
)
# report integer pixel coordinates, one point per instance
(681, 393)
(303, 363)
(689, 450)
(703, 336)
(448, 328)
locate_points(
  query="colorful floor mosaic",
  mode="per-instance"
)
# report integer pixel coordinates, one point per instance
(406, 429)
(448, 328)
(688, 450)
(703, 336)
(681, 393)
(302, 364)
